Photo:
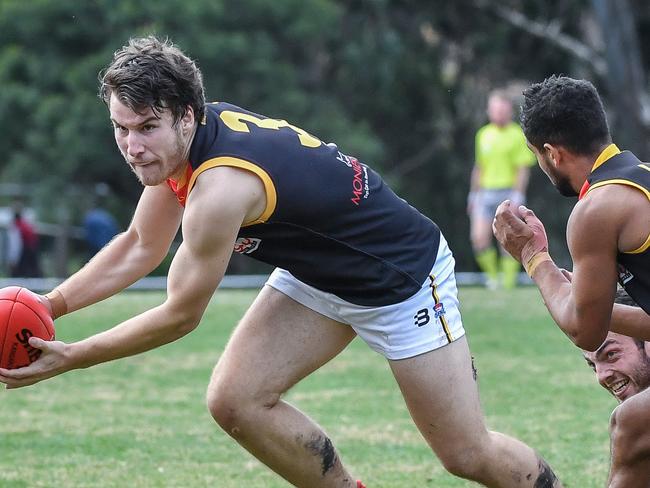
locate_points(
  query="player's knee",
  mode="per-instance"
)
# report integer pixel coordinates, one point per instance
(467, 462)
(223, 407)
(233, 407)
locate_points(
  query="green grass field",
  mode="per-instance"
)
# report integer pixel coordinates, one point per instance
(142, 422)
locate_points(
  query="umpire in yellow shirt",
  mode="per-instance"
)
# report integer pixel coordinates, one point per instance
(500, 172)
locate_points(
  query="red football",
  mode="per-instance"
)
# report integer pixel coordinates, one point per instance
(21, 317)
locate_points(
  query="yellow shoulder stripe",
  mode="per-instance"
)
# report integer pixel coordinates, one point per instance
(271, 194)
(644, 247)
(620, 182)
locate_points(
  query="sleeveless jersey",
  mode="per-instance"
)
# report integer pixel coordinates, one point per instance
(329, 219)
(634, 267)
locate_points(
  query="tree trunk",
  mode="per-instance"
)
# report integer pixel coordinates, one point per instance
(625, 77)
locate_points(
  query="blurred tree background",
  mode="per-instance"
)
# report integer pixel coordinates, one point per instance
(401, 84)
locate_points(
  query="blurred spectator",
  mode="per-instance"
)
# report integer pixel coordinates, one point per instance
(23, 246)
(14, 245)
(99, 225)
(501, 171)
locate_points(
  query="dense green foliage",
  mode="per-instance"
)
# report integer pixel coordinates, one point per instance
(141, 422)
(400, 84)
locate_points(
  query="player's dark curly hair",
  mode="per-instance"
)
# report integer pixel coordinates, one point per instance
(565, 112)
(150, 73)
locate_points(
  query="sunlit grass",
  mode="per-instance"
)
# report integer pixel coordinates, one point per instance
(142, 422)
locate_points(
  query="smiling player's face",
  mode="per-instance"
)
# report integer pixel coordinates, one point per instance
(621, 366)
(152, 146)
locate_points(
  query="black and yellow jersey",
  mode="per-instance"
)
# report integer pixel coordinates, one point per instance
(330, 220)
(623, 168)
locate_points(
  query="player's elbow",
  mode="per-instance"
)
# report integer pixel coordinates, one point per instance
(586, 330)
(587, 344)
(588, 340)
(182, 323)
(187, 327)
(189, 323)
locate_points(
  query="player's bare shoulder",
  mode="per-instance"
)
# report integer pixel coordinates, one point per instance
(618, 208)
(229, 189)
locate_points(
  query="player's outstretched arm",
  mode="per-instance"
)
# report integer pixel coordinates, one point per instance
(128, 257)
(222, 199)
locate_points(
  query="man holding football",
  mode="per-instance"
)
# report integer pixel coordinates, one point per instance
(608, 235)
(352, 259)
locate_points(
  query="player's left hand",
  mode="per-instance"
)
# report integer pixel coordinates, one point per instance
(519, 231)
(539, 241)
(53, 361)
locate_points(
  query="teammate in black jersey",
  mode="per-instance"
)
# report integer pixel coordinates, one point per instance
(353, 259)
(608, 234)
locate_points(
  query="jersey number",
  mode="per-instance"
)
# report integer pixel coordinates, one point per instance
(237, 121)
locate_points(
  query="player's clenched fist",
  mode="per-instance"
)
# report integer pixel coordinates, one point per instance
(519, 231)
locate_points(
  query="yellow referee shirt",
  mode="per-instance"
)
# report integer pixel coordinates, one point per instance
(500, 152)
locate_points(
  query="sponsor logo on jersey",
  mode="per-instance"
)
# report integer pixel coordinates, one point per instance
(246, 245)
(624, 275)
(360, 187)
(344, 159)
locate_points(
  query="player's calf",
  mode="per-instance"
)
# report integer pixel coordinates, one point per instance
(500, 461)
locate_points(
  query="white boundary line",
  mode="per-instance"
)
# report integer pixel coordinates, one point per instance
(229, 281)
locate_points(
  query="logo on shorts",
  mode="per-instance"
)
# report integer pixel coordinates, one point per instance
(422, 317)
(246, 245)
(438, 310)
(624, 275)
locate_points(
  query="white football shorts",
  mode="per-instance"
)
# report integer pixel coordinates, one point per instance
(428, 320)
(487, 201)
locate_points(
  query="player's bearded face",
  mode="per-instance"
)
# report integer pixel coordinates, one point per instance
(640, 376)
(559, 180)
(622, 366)
(630, 377)
(154, 148)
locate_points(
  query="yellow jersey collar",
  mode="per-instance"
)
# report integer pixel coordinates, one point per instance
(608, 152)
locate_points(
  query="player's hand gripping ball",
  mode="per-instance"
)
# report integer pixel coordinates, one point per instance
(22, 316)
